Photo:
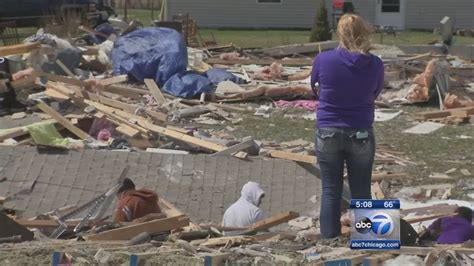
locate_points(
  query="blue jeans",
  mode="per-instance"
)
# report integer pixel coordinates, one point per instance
(334, 146)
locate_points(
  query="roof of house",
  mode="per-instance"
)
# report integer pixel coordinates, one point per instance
(200, 185)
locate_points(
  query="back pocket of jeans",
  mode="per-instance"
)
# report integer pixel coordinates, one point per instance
(326, 141)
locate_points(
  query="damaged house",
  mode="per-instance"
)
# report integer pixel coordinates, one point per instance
(402, 14)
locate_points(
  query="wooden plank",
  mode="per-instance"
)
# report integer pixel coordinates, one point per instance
(236, 148)
(127, 130)
(285, 62)
(423, 218)
(13, 134)
(18, 49)
(444, 113)
(59, 78)
(293, 156)
(273, 221)
(377, 192)
(151, 227)
(49, 223)
(63, 121)
(155, 91)
(225, 241)
(113, 80)
(126, 90)
(158, 129)
(381, 176)
(55, 95)
(304, 48)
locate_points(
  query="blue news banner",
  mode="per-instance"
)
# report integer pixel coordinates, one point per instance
(375, 224)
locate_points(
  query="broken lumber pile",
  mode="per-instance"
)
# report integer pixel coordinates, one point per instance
(449, 116)
(151, 227)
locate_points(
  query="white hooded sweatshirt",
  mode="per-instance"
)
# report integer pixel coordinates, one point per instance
(244, 211)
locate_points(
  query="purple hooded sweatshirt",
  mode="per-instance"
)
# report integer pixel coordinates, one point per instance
(453, 230)
(349, 84)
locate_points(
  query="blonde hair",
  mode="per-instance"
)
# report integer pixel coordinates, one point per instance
(354, 33)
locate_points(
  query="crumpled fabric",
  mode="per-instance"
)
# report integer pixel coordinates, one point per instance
(99, 129)
(46, 134)
(309, 105)
(245, 210)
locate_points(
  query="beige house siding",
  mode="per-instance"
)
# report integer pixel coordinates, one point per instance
(426, 14)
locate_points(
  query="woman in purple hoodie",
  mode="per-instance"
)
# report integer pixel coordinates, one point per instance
(350, 79)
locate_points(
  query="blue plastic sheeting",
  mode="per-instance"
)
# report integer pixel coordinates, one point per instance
(104, 28)
(216, 76)
(188, 85)
(156, 53)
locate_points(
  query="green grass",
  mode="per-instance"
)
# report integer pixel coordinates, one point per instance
(269, 38)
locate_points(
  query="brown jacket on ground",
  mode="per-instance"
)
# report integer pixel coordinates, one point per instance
(134, 204)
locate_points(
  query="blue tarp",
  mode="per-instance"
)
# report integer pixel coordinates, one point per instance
(216, 76)
(188, 85)
(161, 54)
(156, 53)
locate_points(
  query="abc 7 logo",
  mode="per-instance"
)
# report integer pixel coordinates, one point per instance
(380, 224)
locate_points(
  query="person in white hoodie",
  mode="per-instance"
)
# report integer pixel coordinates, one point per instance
(245, 211)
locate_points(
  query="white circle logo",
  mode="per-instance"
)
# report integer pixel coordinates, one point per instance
(382, 224)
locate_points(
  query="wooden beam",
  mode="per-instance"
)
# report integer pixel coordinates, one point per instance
(127, 130)
(381, 176)
(465, 111)
(423, 218)
(273, 221)
(377, 192)
(113, 80)
(236, 148)
(287, 50)
(59, 78)
(49, 223)
(18, 49)
(267, 62)
(152, 227)
(225, 240)
(293, 156)
(155, 91)
(54, 94)
(142, 122)
(13, 134)
(63, 121)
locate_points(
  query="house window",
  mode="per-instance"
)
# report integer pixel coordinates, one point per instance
(269, 1)
(390, 6)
